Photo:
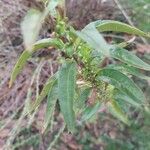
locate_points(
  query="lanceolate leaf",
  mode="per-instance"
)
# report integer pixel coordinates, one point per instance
(89, 111)
(47, 87)
(83, 97)
(128, 69)
(57, 43)
(51, 102)
(116, 26)
(119, 95)
(19, 65)
(66, 92)
(129, 58)
(27, 54)
(121, 82)
(115, 110)
(90, 35)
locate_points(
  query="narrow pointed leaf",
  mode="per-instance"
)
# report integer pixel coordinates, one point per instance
(44, 43)
(129, 58)
(47, 86)
(66, 92)
(119, 95)
(90, 35)
(19, 65)
(89, 111)
(128, 69)
(116, 26)
(121, 82)
(51, 102)
(117, 112)
(27, 54)
(83, 97)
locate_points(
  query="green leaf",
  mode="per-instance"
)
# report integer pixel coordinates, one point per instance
(129, 58)
(116, 26)
(30, 27)
(18, 66)
(48, 42)
(128, 69)
(51, 102)
(117, 112)
(83, 97)
(90, 35)
(89, 111)
(47, 87)
(66, 92)
(27, 54)
(121, 82)
(119, 95)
